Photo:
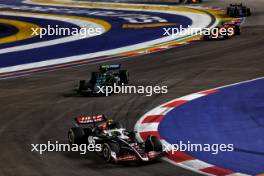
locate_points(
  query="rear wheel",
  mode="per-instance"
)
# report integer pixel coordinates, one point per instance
(76, 135)
(228, 11)
(153, 144)
(94, 76)
(124, 76)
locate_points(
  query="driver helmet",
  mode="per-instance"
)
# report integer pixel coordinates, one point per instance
(107, 125)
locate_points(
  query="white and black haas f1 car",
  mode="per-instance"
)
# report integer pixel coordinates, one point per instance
(117, 144)
(108, 75)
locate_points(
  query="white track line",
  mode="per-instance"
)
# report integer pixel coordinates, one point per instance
(80, 23)
(199, 21)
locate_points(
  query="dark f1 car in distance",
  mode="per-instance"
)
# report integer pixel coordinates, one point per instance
(117, 144)
(190, 1)
(108, 75)
(224, 31)
(238, 10)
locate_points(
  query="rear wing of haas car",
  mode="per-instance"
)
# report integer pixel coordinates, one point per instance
(110, 67)
(92, 119)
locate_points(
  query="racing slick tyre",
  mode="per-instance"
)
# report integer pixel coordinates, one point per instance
(94, 76)
(76, 135)
(228, 11)
(124, 76)
(107, 148)
(237, 30)
(153, 144)
(81, 86)
(248, 12)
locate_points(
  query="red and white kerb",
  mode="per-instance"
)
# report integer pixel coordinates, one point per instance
(148, 125)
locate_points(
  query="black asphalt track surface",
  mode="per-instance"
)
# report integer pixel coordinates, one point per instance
(38, 108)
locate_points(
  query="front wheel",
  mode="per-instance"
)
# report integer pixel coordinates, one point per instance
(124, 76)
(237, 30)
(248, 12)
(153, 144)
(207, 37)
(107, 148)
